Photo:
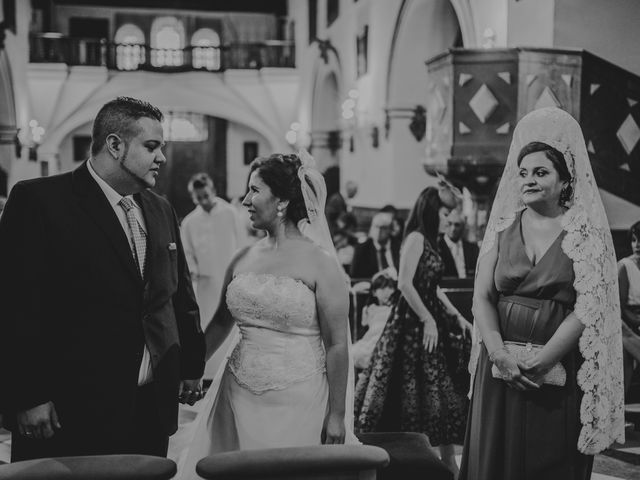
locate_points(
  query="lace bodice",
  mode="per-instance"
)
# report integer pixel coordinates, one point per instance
(280, 341)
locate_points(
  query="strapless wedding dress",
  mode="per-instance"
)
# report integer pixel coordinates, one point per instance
(273, 390)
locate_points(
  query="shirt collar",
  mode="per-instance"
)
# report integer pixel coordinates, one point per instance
(451, 243)
(113, 197)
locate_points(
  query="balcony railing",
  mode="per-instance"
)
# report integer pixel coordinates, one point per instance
(55, 48)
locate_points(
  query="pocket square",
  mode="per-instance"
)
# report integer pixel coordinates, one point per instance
(172, 246)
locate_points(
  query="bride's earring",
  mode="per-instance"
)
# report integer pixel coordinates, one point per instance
(280, 213)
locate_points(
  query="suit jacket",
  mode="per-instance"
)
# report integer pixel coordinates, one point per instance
(76, 313)
(365, 259)
(470, 251)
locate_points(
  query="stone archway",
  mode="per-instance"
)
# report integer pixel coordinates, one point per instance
(230, 121)
(424, 28)
(326, 134)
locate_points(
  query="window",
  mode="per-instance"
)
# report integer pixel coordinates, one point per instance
(185, 127)
(205, 45)
(250, 152)
(129, 41)
(167, 42)
(313, 20)
(333, 10)
(362, 55)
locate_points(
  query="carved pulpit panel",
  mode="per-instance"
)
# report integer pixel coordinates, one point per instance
(475, 98)
(610, 120)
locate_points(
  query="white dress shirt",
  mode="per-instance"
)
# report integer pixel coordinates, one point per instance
(145, 374)
(387, 253)
(457, 252)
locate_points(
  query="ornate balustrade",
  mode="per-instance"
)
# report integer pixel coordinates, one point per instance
(476, 97)
(56, 48)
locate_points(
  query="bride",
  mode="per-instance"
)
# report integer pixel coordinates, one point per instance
(288, 381)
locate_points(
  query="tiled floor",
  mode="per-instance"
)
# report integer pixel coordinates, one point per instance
(605, 467)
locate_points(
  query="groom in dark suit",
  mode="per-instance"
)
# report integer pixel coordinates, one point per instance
(100, 334)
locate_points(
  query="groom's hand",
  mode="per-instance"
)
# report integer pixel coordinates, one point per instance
(190, 391)
(38, 422)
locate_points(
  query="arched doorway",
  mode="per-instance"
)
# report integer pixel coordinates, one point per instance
(326, 135)
(424, 28)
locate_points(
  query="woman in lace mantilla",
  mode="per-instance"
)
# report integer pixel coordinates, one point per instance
(286, 381)
(546, 275)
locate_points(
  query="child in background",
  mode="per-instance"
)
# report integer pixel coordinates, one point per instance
(375, 315)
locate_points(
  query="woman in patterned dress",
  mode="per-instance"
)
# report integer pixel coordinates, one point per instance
(416, 378)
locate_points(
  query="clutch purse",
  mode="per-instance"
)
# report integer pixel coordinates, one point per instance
(522, 351)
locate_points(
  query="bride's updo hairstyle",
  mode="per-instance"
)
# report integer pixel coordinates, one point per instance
(280, 172)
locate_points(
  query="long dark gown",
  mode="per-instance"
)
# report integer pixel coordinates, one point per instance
(407, 389)
(534, 434)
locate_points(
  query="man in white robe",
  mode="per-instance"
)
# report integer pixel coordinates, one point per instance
(210, 236)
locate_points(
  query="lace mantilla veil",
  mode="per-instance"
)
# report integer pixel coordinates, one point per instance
(314, 191)
(588, 244)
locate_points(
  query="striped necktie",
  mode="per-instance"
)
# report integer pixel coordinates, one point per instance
(138, 236)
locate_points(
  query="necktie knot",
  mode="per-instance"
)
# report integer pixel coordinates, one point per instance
(126, 203)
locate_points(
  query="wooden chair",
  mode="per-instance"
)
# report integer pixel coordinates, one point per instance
(99, 467)
(321, 462)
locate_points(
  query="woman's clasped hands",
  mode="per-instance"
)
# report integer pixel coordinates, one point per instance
(518, 374)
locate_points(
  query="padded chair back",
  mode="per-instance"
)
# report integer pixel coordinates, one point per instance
(411, 456)
(100, 467)
(321, 462)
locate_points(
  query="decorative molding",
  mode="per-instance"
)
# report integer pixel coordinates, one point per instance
(503, 129)
(464, 78)
(547, 99)
(483, 103)
(417, 115)
(628, 134)
(325, 47)
(506, 76)
(8, 134)
(418, 124)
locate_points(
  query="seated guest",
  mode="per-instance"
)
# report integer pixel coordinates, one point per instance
(376, 252)
(458, 255)
(344, 245)
(397, 225)
(629, 283)
(348, 223)
(375, 315)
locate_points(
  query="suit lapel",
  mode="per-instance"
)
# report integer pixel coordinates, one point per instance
(92, 199)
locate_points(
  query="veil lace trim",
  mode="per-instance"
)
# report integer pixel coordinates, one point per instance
(589, 245)
(314, 192)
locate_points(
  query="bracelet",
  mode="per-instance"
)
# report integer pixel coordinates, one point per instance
(493, 354)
